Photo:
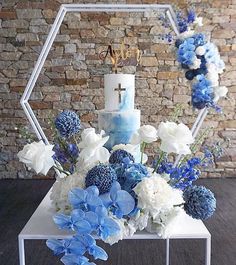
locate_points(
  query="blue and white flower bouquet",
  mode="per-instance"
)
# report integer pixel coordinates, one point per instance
(110, 195)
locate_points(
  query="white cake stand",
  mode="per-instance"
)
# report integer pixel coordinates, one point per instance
(41, 226)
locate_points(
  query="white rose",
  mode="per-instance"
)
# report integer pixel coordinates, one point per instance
(200, 50)
(187, 34)
(145, 133)
(175, 138)
(220, 92)
(91, 139)
(38, 156)
(196, 64)
(198, 21)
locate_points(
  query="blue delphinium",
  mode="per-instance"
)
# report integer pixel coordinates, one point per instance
(200, 202)
(202, 92)
(102, 176)
(182, 22)
(191, 16)
(118, 156)
(67, 123)
(66, 155)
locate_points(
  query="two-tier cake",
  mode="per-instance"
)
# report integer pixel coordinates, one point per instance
(119, 119)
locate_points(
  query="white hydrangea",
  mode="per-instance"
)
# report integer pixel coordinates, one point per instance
(155, 194)
(61, 188)
(126, 230)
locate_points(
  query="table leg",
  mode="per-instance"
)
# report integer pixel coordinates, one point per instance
(167, 251)
(208, 251)
(21, 250)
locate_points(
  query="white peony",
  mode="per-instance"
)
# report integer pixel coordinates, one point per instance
(200, 50)
(175, 138)
(155, 195)
(220, 92)
(61, 188)
(92, 148)
(38, 156)
(146, 134)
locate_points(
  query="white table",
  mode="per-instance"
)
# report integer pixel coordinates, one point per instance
(41, 226)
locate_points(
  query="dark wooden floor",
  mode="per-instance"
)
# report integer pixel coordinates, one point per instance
(19, 198)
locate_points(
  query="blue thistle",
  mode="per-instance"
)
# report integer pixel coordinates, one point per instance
(101, 176)
(67, 123)
(118, 156)
(200, 202)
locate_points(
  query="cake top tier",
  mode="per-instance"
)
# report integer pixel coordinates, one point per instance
(119, 92)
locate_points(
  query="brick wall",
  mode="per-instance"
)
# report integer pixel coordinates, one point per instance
(72, 76)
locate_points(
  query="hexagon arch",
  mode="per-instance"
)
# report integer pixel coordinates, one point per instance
(65, 8)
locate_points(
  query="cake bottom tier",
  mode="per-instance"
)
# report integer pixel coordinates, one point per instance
(119, 125)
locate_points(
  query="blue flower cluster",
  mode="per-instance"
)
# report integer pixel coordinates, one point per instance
(200, 202)
(90, 218)
(118, 156)
(67, 123)
(66, 154)
(202, 89)
(211, 153)
(183, 176)
(183, 22)
(102, 176)
(202, 93)
(130, 174)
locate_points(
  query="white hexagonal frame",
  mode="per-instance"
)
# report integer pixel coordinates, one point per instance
(65, 8)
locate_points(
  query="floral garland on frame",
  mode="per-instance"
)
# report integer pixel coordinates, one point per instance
(111, 195)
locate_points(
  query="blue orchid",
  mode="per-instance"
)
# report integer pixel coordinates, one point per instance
(66, 246)
(87, 199)
(101, 223)
(74, 222)
(119, 201)
(72, 259)
(90, 244)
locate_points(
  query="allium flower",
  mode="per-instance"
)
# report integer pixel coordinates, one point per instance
(118, 156)
(67, 123)
(38, 156)
(146, 134)
(101, 176)
(175, 138)
(200, 202)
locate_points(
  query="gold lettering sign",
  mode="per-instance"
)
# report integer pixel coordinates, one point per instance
(123, 56)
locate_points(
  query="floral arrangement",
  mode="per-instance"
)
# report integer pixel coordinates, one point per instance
(109, 195)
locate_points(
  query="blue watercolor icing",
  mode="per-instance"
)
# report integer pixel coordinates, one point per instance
(126, 100)
(120, 126)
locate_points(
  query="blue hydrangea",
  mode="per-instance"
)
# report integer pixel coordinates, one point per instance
(67, 123)
(186, 52)
(118, 156)
(129, 175)
(101, 176)
(200, 202)
(202, 93)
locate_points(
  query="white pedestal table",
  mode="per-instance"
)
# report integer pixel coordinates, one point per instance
(41, 227)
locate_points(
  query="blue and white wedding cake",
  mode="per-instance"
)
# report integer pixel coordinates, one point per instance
(119, 119)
